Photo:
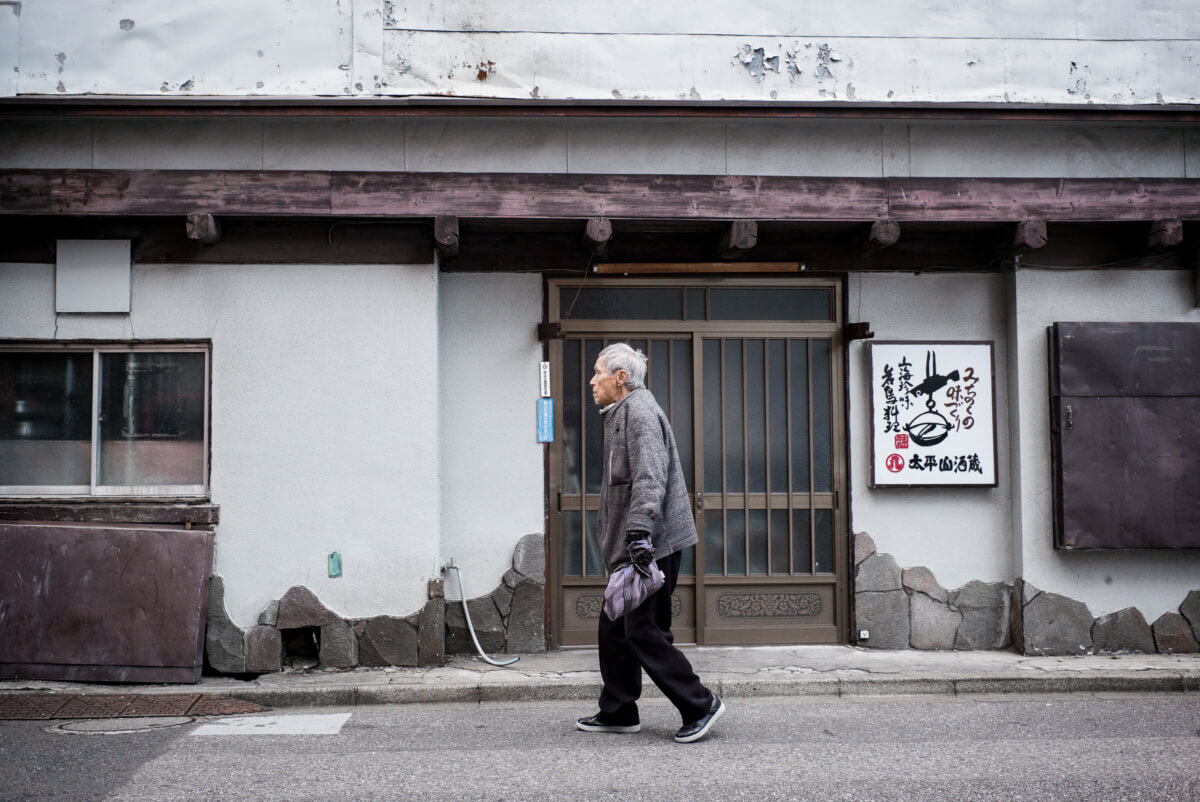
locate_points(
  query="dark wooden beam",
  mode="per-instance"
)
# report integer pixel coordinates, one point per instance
(738, 239)
(572, 196)
(881, 234)
(194, 514)
(445, 236)
(1164, 235)
(203, 228)
(596, 235)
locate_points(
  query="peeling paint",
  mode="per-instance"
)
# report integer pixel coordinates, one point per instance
(127, 24)
(792, 59)
(485, 69)
(756, 61)
(824, 59)
(850, 92)
(186, 86)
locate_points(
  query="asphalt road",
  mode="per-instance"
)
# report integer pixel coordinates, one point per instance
(1081, 747)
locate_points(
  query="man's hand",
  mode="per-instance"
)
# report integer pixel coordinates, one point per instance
(641, 551)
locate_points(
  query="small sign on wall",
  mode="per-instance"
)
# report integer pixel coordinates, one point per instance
(545, 420)
(933, 418)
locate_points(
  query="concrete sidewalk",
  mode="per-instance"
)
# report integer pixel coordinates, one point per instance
(730, 671)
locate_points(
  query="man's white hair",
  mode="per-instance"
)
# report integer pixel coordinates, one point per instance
(620, 356)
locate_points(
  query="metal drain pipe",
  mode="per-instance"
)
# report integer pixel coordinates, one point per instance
(462, 596)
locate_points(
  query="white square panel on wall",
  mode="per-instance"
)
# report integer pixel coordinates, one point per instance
(92, 276)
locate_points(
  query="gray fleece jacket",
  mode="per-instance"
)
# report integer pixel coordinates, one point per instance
(643, 486)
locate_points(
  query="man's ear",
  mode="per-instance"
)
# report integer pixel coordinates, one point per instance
(622, 376)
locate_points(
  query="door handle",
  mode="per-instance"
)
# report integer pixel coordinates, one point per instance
(699, 503)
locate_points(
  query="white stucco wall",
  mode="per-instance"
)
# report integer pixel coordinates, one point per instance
(493, 484)
(960, 533)
(324, 417)
(1153, 581)
(1073, 52)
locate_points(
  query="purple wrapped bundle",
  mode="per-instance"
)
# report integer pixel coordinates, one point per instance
(629, 586)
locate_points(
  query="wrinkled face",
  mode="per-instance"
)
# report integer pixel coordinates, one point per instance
(607, 388)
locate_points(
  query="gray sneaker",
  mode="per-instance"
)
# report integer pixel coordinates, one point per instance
(698, 729)
(597, 724)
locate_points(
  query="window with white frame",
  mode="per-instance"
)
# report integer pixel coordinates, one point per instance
(104, 420)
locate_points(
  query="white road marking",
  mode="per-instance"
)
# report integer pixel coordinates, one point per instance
(315, 724)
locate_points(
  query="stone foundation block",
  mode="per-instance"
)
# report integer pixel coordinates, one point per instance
(299, 607)
(886, 616)
(1123, 631)
(503, 597)
(224, 641)
(264, 650)
(986, 614)
(877, 574)
(431, 634)
(921, 580)
(485, 618)
(1173, 635)
(1190, 610)
(526, 621)
(934, 624)
(1056, 625)
(529, 558)
(339, 646)
(864, 547)
(388, 641)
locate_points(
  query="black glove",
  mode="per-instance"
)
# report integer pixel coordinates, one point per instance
(641, 552)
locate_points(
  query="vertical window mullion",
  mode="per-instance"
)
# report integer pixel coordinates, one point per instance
(724, 471)
(95, 424)
(812, 511)
(791, 507)
(746, 455)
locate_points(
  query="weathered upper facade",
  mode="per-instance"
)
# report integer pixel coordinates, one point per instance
(286, 276)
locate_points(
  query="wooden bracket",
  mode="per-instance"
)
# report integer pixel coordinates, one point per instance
(445, 236)
(1029, 235)
(859, 331)
(738, 239)
(881, 234)
(550, 331)
(596, 235)
(1164, 235)
(203, 227)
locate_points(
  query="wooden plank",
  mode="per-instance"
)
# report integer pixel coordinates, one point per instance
(651, 197)
(571, 196)
(620, 268)
(164, 192)
(1015, 199)
(109, 512)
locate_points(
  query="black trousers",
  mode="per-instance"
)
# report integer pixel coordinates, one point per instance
(642, 639)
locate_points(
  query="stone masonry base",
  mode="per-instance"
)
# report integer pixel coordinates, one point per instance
(299, 631)
(907, 608)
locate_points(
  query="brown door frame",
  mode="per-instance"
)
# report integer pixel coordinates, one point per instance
(697, 331)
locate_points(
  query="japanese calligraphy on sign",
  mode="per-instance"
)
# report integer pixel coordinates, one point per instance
(932, 414)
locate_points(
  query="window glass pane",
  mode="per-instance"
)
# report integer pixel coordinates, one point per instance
(574, 389)
(151, 419)
(756, 418)
(658, 373)
(621, 303)
(735, 542)
(595, 563)
(777, 303)
(801, 543)
(824, 534)
(712, 416)
(735, 457)
(572, 523)
(695, 305)
(780, 553)
(45, 419)
(777, 416)
(687, 561)
(822, 418)
(756, 533)
(714, 543)
(681, 405)
(593, 422)
(798, 386)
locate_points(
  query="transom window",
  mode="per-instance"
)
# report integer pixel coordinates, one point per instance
(104, 420)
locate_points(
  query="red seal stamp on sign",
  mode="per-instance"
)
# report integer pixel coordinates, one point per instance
(901, 441)
(894, 463)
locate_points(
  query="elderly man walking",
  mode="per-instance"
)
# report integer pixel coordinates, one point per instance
(642, 498)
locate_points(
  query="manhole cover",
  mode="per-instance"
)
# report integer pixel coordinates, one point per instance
(119, 726)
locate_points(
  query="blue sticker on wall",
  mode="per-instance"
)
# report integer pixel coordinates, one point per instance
(545, 420)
